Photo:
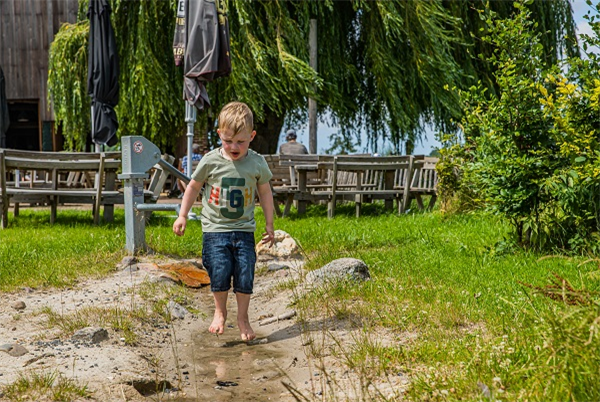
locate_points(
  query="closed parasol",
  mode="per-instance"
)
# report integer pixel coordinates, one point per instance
(207, 48)
(103, 74)
(206, 55)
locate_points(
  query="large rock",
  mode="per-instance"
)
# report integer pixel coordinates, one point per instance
(285, 247)
(343, 269)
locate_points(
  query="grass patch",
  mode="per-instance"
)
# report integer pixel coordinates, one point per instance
(45, 386)
(450, 285)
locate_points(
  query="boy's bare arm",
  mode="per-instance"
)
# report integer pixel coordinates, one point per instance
(190, 195)
(266, 202)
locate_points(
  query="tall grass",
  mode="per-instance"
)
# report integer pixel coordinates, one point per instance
(466, 315)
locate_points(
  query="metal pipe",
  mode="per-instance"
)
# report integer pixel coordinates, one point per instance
(190, 119)
(158, 207)
(171, 169)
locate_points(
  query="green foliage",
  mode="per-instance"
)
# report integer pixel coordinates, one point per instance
(382, 66)
(529, 152)
(67, 83)
(151, 102)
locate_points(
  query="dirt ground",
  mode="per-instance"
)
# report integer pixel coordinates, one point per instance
(183, 360)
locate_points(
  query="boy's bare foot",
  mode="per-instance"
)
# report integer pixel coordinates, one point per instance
(246, 331)
(218, 323)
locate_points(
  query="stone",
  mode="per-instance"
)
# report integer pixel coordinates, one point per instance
(285, 247)
(14, 349)
(91, 334)
(163, 279)
(130, 269)
(148, 387)
(351, 269)
(19, 305)
(127, 261)
(176, 310)
(276, 267)
(188, 272)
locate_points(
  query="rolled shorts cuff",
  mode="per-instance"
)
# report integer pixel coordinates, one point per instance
(219, 289)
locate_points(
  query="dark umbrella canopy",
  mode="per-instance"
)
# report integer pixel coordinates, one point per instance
(103, 74)
(207, 48)
(4, 119)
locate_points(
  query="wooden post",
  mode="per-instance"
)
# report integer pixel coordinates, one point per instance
(358, 197)
(407, 183)
(99, 185)
(312, 104)
(54, 197)
(331, 209)
(302, 177)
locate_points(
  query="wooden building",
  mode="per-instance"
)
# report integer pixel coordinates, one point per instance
(27, 28)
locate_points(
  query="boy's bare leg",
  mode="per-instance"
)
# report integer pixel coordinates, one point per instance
(218, 324)
(246, 331)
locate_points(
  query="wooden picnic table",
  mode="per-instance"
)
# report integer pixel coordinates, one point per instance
(356, 191)
(357, 178)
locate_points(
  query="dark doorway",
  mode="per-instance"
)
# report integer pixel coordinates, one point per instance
(24, 130)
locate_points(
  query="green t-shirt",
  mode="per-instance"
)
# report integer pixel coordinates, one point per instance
(230, 190)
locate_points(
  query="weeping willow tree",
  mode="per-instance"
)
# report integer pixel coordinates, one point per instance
(386, 67)
(150, 84)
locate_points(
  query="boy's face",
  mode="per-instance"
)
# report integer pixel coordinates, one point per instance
(235, 146)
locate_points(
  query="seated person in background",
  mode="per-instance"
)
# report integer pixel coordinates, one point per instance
(196, 156)
(291, 147)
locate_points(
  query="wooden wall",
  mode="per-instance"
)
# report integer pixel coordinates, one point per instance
(27, 27)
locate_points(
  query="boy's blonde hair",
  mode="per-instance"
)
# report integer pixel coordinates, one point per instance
(237, 117)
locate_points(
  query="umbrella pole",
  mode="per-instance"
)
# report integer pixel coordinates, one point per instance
(190, 119)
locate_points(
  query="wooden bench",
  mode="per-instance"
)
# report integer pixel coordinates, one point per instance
(53, 178)
(371, 179)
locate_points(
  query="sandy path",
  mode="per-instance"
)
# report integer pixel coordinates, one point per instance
(185, 354)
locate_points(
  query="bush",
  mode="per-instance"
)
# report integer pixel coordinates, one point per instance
(530, 152)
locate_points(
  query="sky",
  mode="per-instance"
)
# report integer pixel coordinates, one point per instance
(324, 130)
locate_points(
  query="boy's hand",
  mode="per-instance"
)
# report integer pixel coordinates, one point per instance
(179, 226)
(268, 236)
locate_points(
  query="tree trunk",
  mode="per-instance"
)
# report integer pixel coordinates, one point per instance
(267, 133)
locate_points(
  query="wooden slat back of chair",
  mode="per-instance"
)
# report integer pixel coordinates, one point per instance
(281, 174)
(425, 176)
(294, 160)
(159, 177)
(43, 155)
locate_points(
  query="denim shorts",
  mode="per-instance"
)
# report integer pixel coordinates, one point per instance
(226, 255)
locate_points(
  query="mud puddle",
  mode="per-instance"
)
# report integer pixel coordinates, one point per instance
(224, 368)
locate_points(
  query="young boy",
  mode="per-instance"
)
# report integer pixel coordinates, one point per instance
(232, 175)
